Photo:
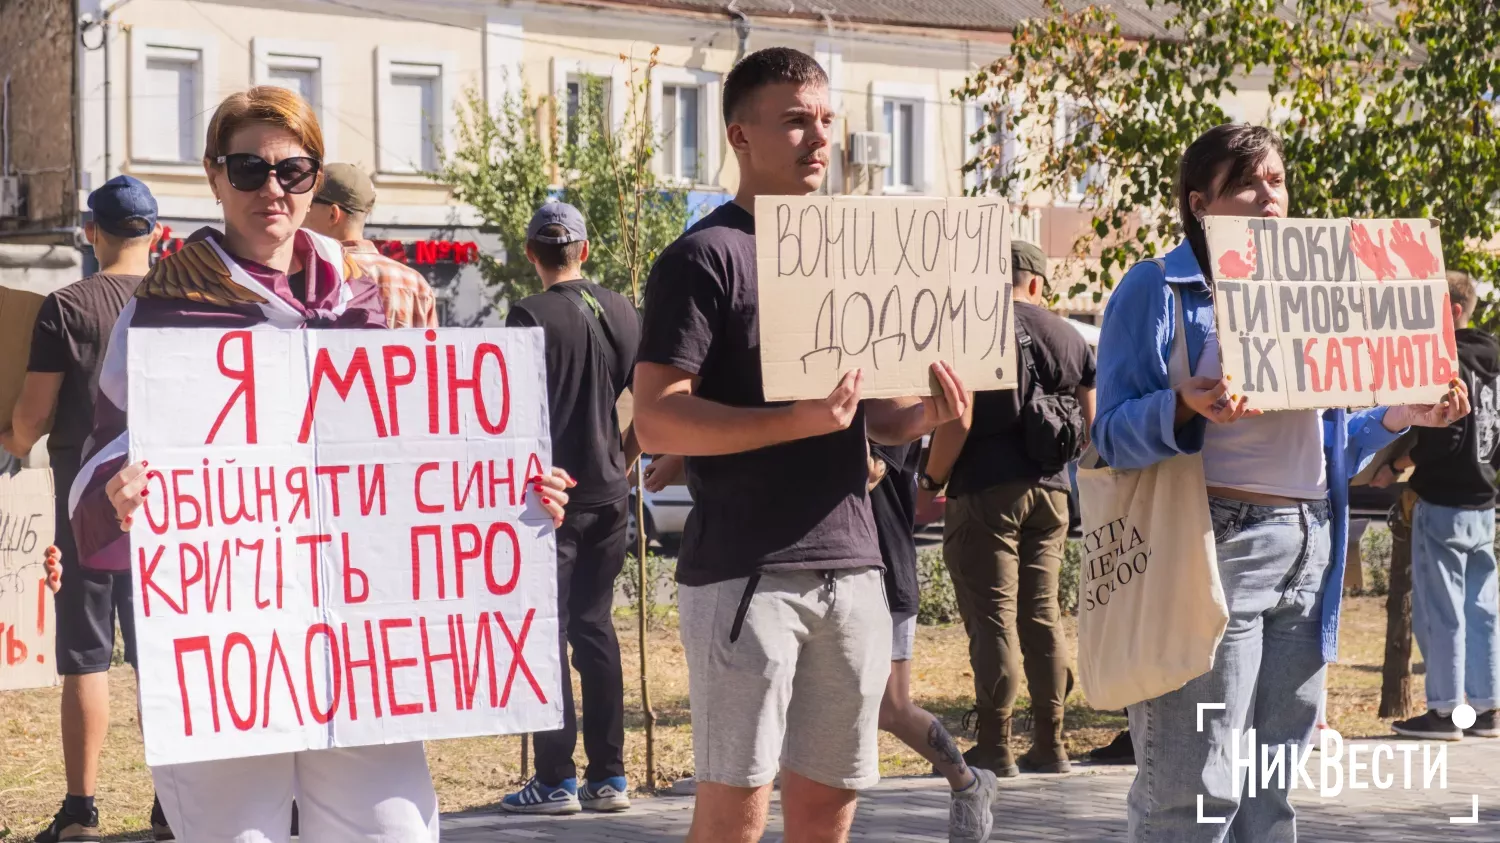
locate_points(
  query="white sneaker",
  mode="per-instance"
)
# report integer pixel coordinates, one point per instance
(970, 819)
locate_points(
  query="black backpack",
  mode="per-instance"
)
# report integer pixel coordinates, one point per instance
(1052, 424)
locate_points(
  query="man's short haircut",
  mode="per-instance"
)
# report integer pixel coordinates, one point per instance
(121, 242)
(1021, 277)
(771, 66)
(556, 255)
(1462, 293)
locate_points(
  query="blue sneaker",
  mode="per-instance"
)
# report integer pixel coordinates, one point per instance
(538, 798)
(612, 794)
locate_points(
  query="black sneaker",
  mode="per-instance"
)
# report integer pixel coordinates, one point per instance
(1119, 751)
(1430, 726)
(160, 830)
(66, 828)
(1485, 725)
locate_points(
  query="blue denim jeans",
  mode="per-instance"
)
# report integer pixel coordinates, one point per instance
(1454, 603)
(1268, 675)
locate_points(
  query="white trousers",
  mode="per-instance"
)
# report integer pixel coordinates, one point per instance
(367, 794)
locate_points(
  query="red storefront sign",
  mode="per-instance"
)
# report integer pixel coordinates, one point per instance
(413, 252)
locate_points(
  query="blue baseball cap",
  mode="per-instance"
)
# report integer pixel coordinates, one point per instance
(124, 207)
(557, 213)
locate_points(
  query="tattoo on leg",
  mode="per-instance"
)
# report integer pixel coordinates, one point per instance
(942, 742)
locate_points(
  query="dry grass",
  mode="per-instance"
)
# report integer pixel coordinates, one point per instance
(475, 773)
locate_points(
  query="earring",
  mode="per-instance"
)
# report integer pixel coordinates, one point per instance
(218, 201)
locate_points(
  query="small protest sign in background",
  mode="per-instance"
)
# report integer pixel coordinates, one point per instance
(339, 544)
(888, 285)
(27, 625)
(1332, 313)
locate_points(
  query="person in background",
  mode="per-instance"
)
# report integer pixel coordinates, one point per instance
(340, 210)
(893, 502)
(263, 157)
(1277, 488)
(1005, 529)
(780, 592)
(1454, 601)
(57, 401)
(591, 339)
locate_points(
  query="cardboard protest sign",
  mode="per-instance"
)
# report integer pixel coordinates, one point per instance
(20, 299)
(339, 544)
(27, 626)
(1332, 313)
(889, 285)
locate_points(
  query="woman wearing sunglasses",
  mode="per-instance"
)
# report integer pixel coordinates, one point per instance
(263, 159)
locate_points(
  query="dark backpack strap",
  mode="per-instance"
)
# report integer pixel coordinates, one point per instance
(599, 329)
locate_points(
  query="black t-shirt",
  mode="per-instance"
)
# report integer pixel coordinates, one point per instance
(798, 505)
(584, 381)
(894, 504)
(995, 451)
(71, 335)
(1456, 464)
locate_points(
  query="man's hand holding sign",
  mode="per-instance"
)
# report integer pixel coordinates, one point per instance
(340, 538)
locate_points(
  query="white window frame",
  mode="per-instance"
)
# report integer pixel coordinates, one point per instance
(267, 54)
(141, 40)
(1076, 192)
(709, 120)
(1013, 147)
(925, 115)
(394, 170)
(564, 69)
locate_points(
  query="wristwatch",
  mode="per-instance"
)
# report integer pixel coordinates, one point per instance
(927, 484)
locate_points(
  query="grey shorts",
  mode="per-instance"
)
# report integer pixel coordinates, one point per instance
(787, 672)
(903, 636)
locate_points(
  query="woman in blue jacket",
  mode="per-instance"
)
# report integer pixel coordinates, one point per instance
(1278, 492)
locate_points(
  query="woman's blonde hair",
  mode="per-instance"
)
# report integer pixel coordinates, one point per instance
(263, 104)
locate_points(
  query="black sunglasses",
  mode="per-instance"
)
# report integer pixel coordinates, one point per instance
(249, 172)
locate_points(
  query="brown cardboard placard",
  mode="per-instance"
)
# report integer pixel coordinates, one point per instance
(885, 284)
(27, 624)
(1332, 313)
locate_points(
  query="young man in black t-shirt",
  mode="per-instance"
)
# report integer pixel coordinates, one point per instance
(782, 613)
(591, 339)
(57, 401)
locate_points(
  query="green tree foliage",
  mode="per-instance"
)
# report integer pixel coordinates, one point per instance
(1386, 110)
(502, 167)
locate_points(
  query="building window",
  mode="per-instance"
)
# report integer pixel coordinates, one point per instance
(586, 92)
(299, 74)
(415, 116)
(1073, 122)
(901, 125)
(170, 104)
(981, 116)
(682, 130)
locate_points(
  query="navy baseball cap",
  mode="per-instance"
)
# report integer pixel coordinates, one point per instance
(124, 207)
(557, 213)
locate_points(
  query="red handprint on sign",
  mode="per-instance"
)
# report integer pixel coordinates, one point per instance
(1416, 254)
(1231, 265)
(1372, 255)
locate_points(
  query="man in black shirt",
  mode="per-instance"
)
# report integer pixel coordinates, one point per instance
(591, 339)
(57, 400)
(786, 631)
(1453, 574)
(1005, 529)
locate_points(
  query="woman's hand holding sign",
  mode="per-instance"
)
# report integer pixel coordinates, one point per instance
(1454, 406)
(553, 489)
(127, 491)
(1211, 399)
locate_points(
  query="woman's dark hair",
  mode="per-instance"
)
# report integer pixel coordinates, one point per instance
(1239, 145)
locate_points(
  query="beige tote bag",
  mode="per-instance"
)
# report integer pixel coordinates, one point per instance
(1151, 608)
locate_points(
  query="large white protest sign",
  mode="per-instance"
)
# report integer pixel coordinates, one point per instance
(1332, 313)
(888, 285)
(27, 626)
(340, 543)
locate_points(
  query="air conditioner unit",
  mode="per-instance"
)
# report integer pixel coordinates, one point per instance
(870, 149)
(12, 197)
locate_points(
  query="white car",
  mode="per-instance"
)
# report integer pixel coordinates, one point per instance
(666, 515)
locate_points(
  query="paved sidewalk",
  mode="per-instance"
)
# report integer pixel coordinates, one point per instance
(1087, 805)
